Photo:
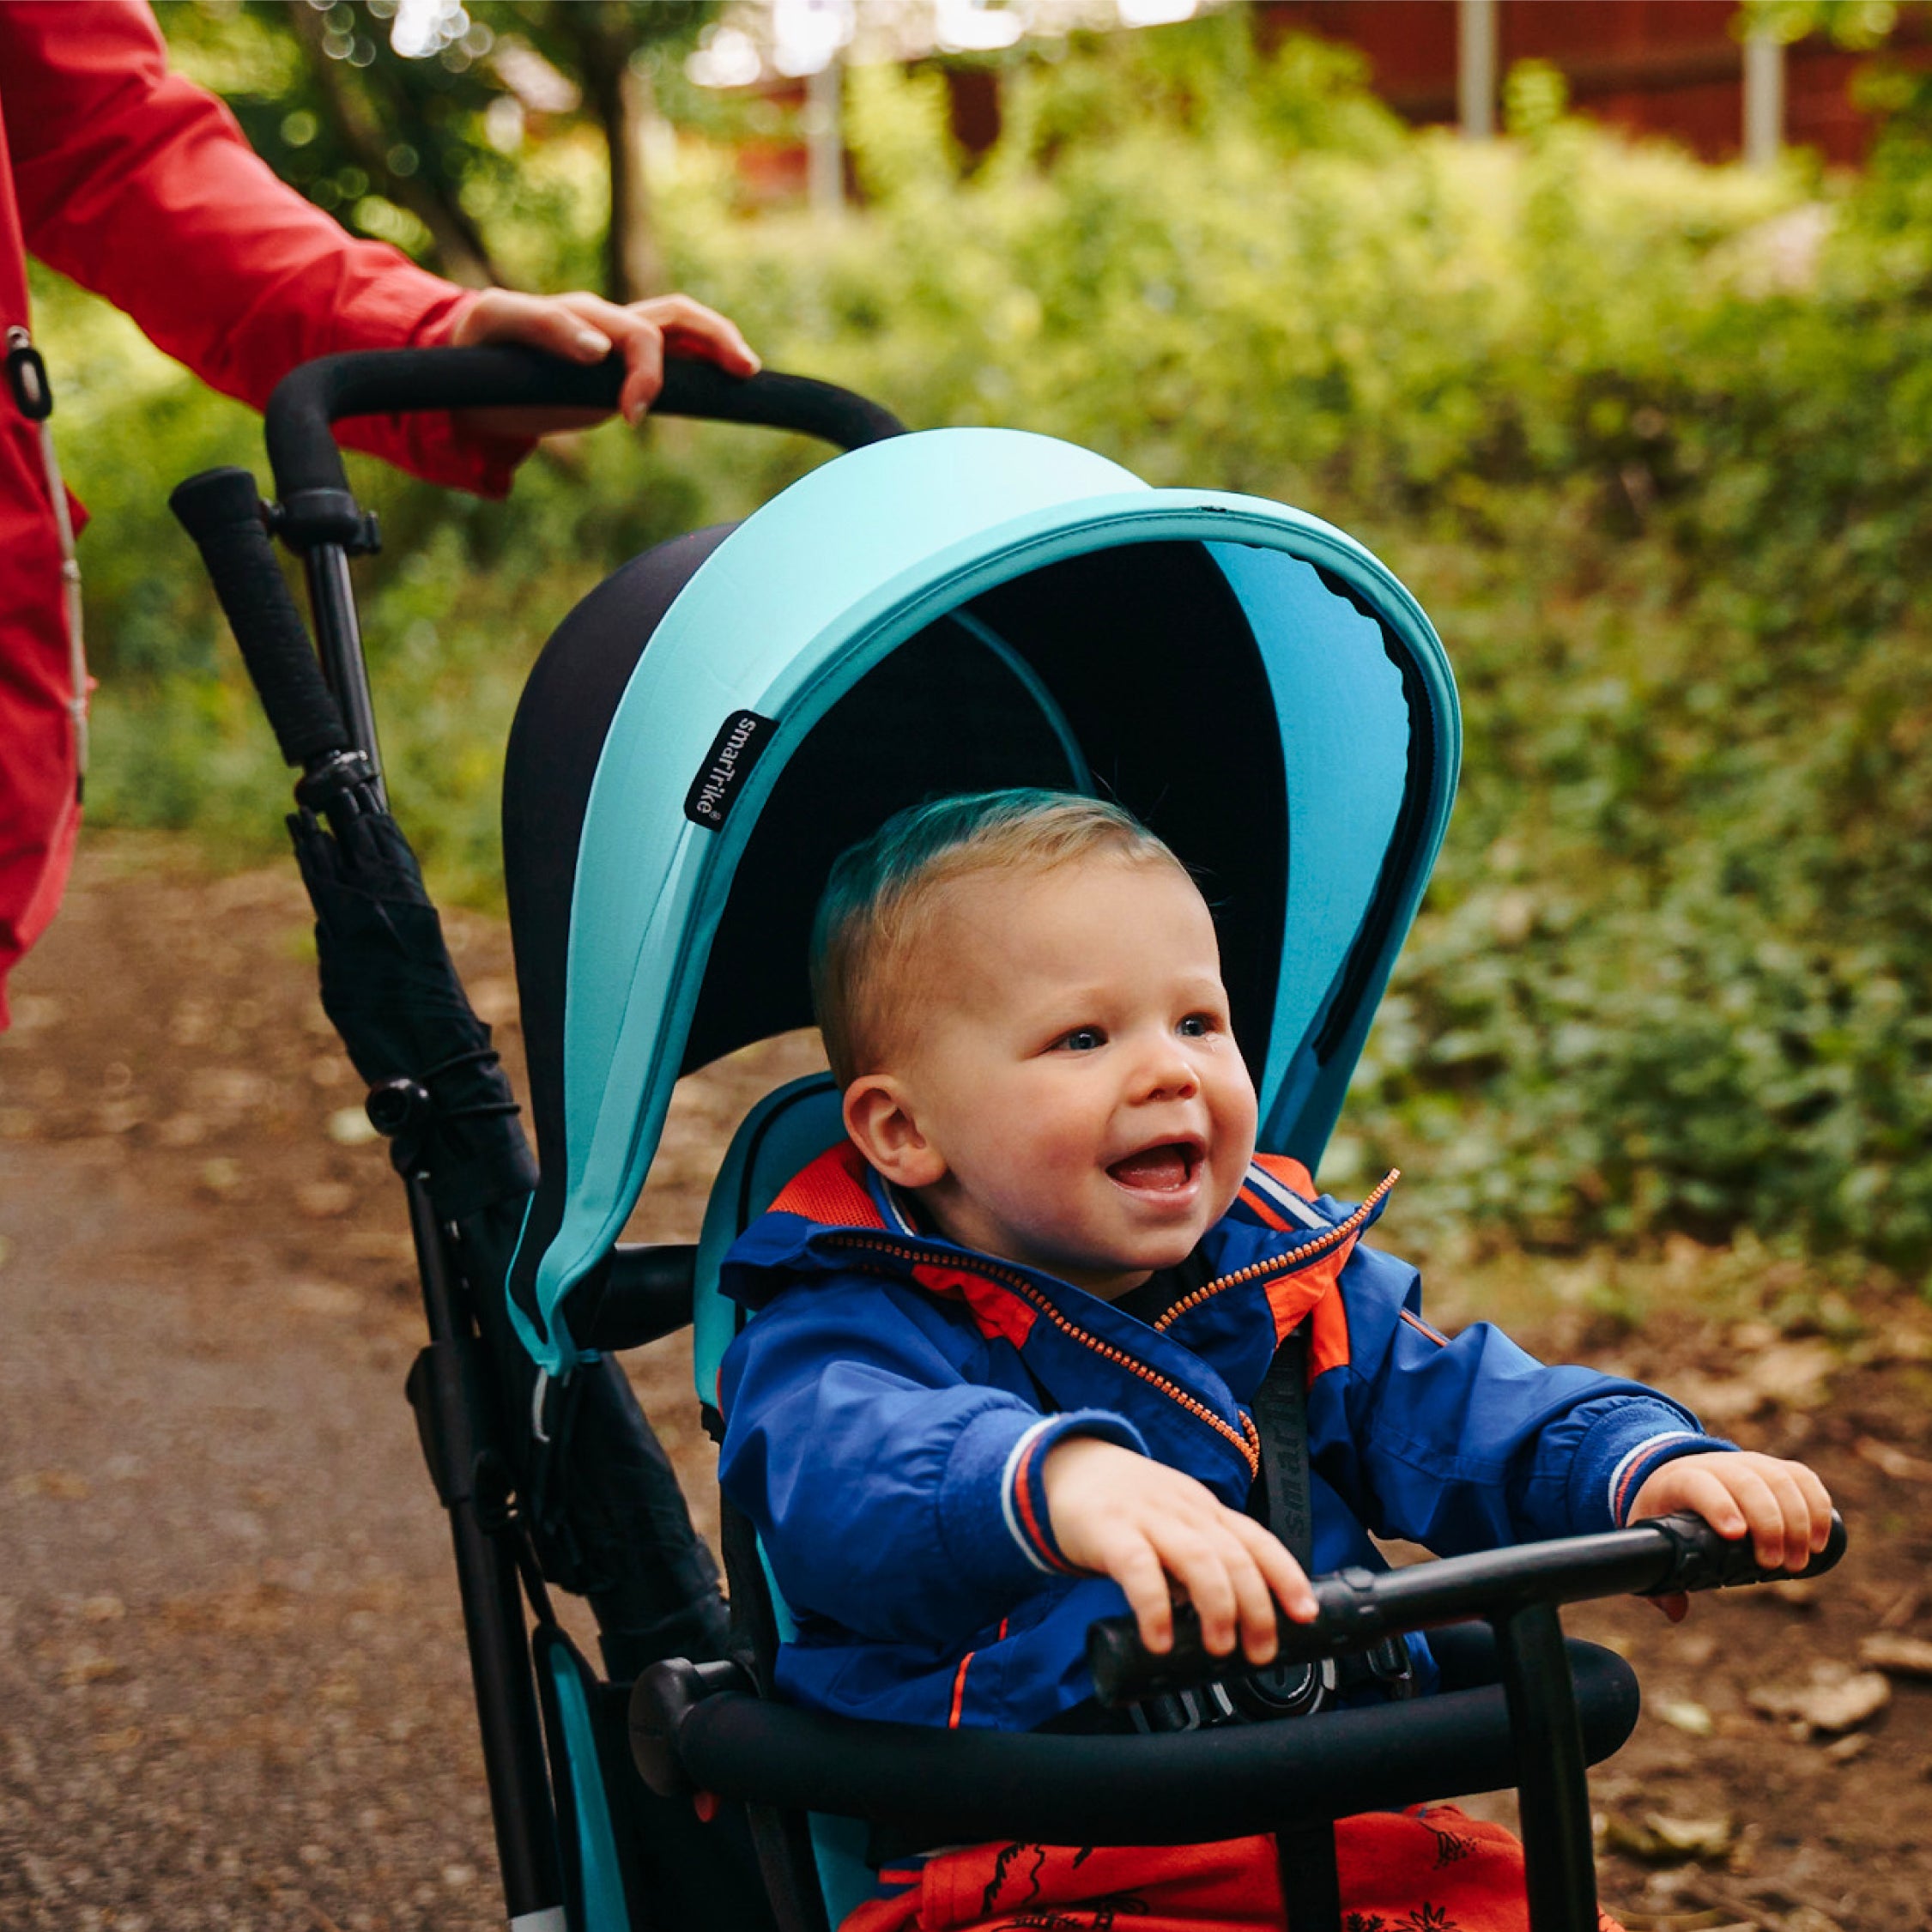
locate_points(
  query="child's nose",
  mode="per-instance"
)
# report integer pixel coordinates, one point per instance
(1165, 1075)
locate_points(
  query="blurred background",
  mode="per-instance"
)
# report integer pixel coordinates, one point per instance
(1607, 325)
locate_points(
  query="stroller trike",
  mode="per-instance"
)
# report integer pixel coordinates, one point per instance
(949, 611)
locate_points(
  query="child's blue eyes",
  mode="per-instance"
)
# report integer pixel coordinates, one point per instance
(1085, 1040)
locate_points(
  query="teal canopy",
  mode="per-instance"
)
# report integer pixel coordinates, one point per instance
(794, 609)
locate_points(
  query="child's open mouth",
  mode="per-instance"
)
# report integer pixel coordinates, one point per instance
(1164, 1169)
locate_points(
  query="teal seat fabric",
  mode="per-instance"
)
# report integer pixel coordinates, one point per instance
(802, 606)
(786, 1131)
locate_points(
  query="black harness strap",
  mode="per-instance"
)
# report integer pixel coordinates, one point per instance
(1281, 1497)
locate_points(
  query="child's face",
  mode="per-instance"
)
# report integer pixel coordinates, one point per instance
(1070, 1096)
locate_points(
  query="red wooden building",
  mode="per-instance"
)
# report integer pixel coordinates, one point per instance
(1668, 67)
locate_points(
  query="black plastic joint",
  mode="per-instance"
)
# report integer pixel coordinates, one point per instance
(662, 1698)
(308, 518)
(396, 1107)
(325, 781)
(1348, 1605)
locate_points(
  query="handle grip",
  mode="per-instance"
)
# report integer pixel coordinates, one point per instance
(1357, 1607)
(303, 455)
(220, 509)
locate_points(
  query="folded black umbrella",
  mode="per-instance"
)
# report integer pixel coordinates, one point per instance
(389, 987)
(616, 1527)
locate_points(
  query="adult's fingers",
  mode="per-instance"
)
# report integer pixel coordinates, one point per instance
(644, 330)
(563, 325)
(691, 327)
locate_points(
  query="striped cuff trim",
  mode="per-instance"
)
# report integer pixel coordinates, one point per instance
(1023, 1502)
(1621, 1477)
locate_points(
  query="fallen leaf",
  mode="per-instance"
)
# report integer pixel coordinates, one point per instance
(1659, 1839)
(220, 1177)
(1793, 1373)
(324, 1298)
(87, 1667)
(324, 1200)
(62, 1485)
(1836, 1699)
(1682, 1714)
(1895, 1463)
(1903, 1657)
(1808, 1918)
(349, 1127)
(1696, 1837)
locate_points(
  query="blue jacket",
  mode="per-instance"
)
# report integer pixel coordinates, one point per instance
(888, 1412)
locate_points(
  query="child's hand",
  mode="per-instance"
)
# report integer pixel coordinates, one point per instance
(1140, 1522)
(1782, 1506)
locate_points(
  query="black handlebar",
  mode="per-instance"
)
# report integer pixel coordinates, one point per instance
(220, 510)
(1358, 1607)
(307, 465)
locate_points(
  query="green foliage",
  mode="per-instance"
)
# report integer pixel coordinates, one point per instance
(1652, 441)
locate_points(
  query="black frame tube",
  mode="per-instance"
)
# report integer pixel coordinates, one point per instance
(1310, 1886)
(1552, 1783)
(502, 1669)
(338, 630)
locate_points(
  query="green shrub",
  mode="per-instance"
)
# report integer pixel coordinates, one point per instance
(1652, 440)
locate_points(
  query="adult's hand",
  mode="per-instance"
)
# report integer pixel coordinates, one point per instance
(585, 328)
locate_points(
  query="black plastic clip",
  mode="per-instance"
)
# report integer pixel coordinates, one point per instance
(313, 517)
(26, 376)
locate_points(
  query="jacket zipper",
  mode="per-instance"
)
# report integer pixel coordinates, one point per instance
(26, 375)
(1285, 1263)
(1245, 1440)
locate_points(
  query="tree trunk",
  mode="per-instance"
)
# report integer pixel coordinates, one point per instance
(458, 245)
(620, 99)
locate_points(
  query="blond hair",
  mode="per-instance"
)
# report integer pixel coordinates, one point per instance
(880, 901)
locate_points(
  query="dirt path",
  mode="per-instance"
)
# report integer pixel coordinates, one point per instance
(232, 1689)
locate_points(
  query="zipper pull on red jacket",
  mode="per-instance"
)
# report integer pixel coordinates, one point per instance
(27, 376)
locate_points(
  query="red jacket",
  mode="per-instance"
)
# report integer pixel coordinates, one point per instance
(140, 186)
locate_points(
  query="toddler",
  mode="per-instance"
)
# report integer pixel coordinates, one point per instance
(1008, 1331)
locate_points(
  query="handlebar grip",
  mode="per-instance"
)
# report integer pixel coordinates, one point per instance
(303, 456)
(220, 509)
(1706, 1560)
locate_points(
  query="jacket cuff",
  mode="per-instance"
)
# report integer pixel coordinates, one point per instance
(992, 1503)
(1617, 1456)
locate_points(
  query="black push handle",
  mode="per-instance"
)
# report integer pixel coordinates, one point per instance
(303, 455)
(220, 509)
(1357, 1607)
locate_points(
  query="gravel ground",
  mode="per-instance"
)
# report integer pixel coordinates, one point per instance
(233, 1688)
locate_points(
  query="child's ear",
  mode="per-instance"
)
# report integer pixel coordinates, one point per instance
(879, 1118)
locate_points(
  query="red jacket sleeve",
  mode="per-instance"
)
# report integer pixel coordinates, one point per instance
(140, 186)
